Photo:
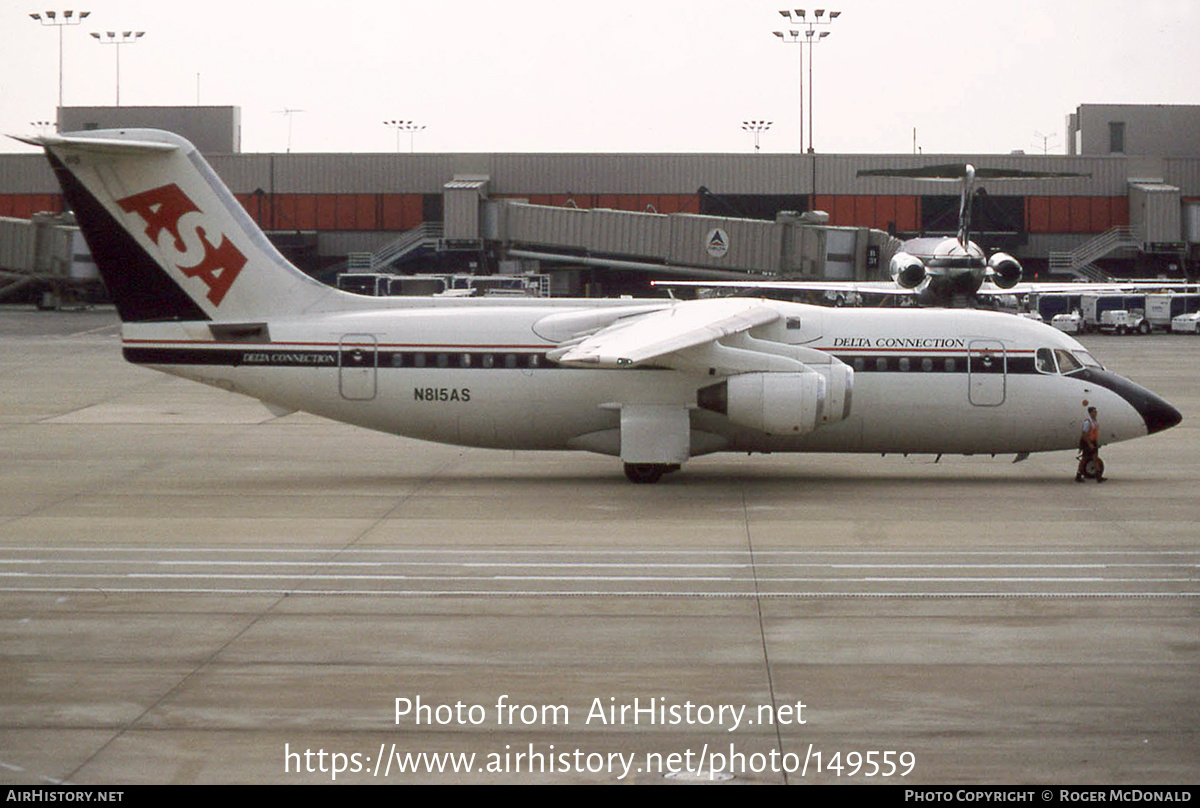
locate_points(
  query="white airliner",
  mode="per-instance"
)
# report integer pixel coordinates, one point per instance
(203, 295)
(950, 270)
(942, 269)
(936, 271)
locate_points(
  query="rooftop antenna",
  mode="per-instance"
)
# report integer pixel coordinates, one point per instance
(289, 113)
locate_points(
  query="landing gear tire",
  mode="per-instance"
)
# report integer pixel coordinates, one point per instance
(646, 473)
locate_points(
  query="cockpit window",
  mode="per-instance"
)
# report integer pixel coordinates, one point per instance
(1067, 363)
(1088, 360)
(1045, 361)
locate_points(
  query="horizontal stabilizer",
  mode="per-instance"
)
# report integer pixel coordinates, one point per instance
(93, 145)
(960, 171)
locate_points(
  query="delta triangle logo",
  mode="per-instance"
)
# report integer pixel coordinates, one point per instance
(716, 243)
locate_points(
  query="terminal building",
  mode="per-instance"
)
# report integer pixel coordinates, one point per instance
(605, 223)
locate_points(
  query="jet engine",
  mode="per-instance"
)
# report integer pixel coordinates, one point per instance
(907, 270)
(1006, 270)
(783, 403)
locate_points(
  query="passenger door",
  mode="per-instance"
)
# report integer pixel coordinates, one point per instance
(987, 373)
(357, 366)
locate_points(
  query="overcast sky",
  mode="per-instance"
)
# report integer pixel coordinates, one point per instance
(619, 75)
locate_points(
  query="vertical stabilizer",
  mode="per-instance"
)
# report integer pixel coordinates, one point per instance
(171, 241)
(964, 205)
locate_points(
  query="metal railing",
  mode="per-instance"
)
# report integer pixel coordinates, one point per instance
(1078, 261)
(427, 233)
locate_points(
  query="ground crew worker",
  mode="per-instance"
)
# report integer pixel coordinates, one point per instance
(1089, 447)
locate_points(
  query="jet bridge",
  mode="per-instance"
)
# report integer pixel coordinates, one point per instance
(794, 246)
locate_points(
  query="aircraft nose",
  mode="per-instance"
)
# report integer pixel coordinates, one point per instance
(1154, 410)
(1158, 414)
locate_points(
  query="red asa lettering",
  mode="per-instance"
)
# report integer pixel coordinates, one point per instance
(219, 267)
(161, 209)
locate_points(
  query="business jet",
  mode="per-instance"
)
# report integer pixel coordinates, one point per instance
(935, 271)
(941, 270)
(944, 271)
(202, 294)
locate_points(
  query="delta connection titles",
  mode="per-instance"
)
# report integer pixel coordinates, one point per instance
(899, 342)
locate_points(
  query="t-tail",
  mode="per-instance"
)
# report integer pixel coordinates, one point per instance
(964, 205)
(170, 240)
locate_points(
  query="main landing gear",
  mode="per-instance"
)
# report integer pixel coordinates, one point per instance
(648, 472)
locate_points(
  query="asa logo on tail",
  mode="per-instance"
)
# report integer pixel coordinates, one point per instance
(164, 209)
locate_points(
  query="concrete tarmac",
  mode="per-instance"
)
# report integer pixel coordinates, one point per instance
(195, 591)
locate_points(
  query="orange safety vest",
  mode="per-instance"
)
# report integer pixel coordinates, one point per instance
(1091, 430)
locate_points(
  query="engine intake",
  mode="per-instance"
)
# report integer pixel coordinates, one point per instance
(1006, 270)
(907, 270)
(781, 403)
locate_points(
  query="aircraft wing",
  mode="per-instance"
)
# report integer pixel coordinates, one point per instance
(1114, 286)
(987, 289)
(861, 287)
(649, 337)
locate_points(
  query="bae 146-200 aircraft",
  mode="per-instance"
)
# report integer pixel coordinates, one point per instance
(203, 295)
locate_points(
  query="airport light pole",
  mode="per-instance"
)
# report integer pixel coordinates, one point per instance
(125, 38)
(793, 37)
(412, 127)
(757, 127)
(1045, 141)
(810, 36)
(53, 18)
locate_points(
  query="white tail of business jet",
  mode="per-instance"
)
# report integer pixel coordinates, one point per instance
(203, 295)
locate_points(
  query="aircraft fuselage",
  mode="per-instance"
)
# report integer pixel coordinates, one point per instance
(476, 373)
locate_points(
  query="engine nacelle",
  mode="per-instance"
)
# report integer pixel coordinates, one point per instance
(781, 403)
(1006, 270)
(907, 270)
